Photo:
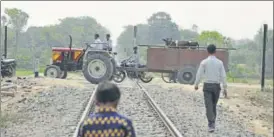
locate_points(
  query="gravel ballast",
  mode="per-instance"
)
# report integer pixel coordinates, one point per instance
(52, 113)
(146, 122)
(187, 111)
(55, 112)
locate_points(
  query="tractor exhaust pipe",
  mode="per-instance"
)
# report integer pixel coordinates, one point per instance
(6, 42)
(68, 57)
(70, 45)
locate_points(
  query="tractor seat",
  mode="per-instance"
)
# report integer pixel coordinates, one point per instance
(8, 60)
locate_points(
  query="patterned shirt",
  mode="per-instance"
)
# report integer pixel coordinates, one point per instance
(106, 122)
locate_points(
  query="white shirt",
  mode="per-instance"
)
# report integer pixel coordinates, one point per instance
(109, 42)
(213, 71)
(99, 45)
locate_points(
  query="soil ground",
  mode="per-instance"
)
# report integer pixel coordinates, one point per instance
(255, 108)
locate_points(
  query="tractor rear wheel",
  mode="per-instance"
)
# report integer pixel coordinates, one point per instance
(52, 71)
(98, 68)
(187, 75)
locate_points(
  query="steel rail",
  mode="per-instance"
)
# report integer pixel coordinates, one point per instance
(173, 130)
(86, 111)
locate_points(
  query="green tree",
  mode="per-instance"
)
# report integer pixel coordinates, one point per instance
(18, 20)
(158, 26)
(187, 34)
(258, 38)
(161, 26)
(211, 37)
(43, 38)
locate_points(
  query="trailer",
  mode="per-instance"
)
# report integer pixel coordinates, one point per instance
(177, 61)
(177, 64)
(180, 64)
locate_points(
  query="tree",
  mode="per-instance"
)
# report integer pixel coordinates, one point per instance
(3, 24)
(194, 28)
(125, 41)
(211, 37)
(4, 20)
(161, 26)
(258, 38)
(43, 38)
(227, 42)
(158, 26)
(18, 20)
(187, 34)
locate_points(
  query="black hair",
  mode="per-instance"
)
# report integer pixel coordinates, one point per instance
(97, 35)
(107, 92)
(211, 48)
(135, 49)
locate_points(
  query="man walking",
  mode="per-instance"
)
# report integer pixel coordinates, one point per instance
(214, 73)
(107, 122)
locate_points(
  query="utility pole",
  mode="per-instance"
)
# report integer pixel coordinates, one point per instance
(263, 59)
(5, 42)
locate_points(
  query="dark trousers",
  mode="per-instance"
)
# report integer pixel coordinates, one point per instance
(211, 97)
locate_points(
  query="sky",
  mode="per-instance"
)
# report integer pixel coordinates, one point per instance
(236, 19)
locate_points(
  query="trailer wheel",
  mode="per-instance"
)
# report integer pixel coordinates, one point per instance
(165, 77)
(187, 75)
(169, 77)
(52, 71)
(119, 76)
(144, 77)
(64, 74)
(98, 68)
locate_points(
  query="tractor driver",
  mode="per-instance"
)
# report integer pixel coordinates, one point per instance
(98, 43)
(109, 43)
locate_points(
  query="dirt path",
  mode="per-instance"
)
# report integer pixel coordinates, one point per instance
(252, 107)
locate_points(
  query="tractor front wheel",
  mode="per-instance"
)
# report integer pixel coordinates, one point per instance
(98, 68)
(52, 71)
(63, 74)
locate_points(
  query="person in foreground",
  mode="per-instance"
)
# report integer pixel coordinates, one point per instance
(106, 122)
(214, 73)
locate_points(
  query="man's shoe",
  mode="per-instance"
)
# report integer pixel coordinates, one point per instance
(211, 127)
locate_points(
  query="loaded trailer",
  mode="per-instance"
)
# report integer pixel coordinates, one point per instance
(177, 61)
(177, 64)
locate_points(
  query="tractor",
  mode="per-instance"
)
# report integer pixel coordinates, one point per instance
(96, 65)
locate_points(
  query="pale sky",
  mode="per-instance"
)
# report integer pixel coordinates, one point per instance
(236, 19)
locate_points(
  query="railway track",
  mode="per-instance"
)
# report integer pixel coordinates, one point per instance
(149, 120)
